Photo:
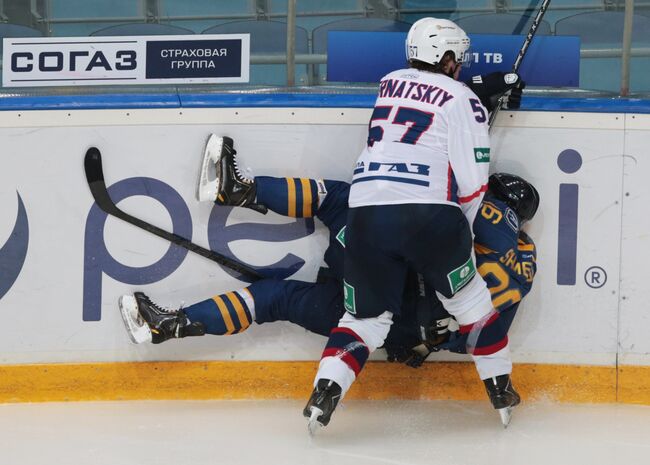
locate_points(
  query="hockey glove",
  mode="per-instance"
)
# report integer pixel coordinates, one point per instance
(490, 87)
(456, 343)
(414, 357)
(514, 99)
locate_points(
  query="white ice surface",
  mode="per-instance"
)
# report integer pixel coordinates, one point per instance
(274, 432)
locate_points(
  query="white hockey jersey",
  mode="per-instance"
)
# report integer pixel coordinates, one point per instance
(427, 143)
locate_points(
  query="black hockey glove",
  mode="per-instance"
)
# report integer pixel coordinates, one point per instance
(456, 343)
(514, 99)
(490, 87)
(414, 357)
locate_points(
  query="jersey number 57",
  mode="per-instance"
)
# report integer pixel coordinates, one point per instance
(415, 121)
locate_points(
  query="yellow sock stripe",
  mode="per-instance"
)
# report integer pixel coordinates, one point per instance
(241, 313)
(291, 194)
(230, 327)
(306, 198)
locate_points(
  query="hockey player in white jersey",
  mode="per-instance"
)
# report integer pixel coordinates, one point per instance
(416, 189)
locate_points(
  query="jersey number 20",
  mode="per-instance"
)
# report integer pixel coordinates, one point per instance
(416, 122)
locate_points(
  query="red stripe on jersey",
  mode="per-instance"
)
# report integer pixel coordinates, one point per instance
(471, 197)
(450, 174)
(464, 329)
(492, 349)
(347, 358)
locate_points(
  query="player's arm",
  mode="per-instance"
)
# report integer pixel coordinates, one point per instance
(490, 87)
(527, 256)
(469, 151)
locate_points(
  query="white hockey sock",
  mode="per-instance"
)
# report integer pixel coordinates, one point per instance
(496, 364)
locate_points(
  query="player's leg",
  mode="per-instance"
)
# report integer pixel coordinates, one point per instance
(316, 307)
(221, 181)
(448, 266)
(373, 288)
(146, 321)
(224, 314)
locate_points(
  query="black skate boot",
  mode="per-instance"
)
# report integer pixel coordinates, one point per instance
(503, 396)
(229, 186)
(147, 322)
(321, 404)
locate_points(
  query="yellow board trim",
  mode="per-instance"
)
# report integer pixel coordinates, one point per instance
(306, 198)
(230, 326)
(291, 194)
(293, 380)
(241, 314)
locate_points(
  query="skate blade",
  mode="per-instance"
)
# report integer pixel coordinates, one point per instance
(137, 329)
(506, 415)
(314, 425)
(208, 183)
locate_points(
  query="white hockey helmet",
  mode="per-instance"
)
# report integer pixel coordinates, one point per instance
(430, 38)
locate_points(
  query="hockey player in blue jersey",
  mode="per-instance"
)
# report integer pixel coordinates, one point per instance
(505, 255)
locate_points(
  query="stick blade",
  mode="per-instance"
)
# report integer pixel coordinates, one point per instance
(93, 165)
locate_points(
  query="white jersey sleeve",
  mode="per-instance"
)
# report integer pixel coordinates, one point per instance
(469, 152)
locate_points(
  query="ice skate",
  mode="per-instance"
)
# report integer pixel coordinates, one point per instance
(220, 179)
(503, 396)
(147, 322)
(321, 404)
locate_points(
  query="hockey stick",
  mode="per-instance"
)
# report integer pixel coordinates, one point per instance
(95, 178)
(522, 53)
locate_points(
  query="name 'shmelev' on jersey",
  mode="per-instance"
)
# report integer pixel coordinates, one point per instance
(505, 256)
(427, 143)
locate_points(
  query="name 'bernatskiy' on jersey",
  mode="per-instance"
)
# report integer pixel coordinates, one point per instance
(418, 118)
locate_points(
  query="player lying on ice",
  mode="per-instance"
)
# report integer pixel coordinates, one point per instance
(505, 257)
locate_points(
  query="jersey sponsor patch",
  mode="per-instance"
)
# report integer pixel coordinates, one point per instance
(461, 275)
(349, 301)
(482, 154)
(341, 236)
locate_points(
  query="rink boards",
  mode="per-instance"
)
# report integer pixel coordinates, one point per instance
(63, 264)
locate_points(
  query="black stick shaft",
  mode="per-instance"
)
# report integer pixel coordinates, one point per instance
(522, 53)
(95, 178)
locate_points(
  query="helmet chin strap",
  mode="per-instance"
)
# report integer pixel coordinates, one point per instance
(452, 70)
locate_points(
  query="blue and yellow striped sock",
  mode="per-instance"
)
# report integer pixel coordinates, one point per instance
(295, 197)
(229, 313)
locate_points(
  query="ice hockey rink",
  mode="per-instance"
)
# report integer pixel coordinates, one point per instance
(294, 84)
(361, 432)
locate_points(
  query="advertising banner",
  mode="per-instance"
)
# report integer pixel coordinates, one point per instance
(368, 56)
(57, 61)
(64, 263)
